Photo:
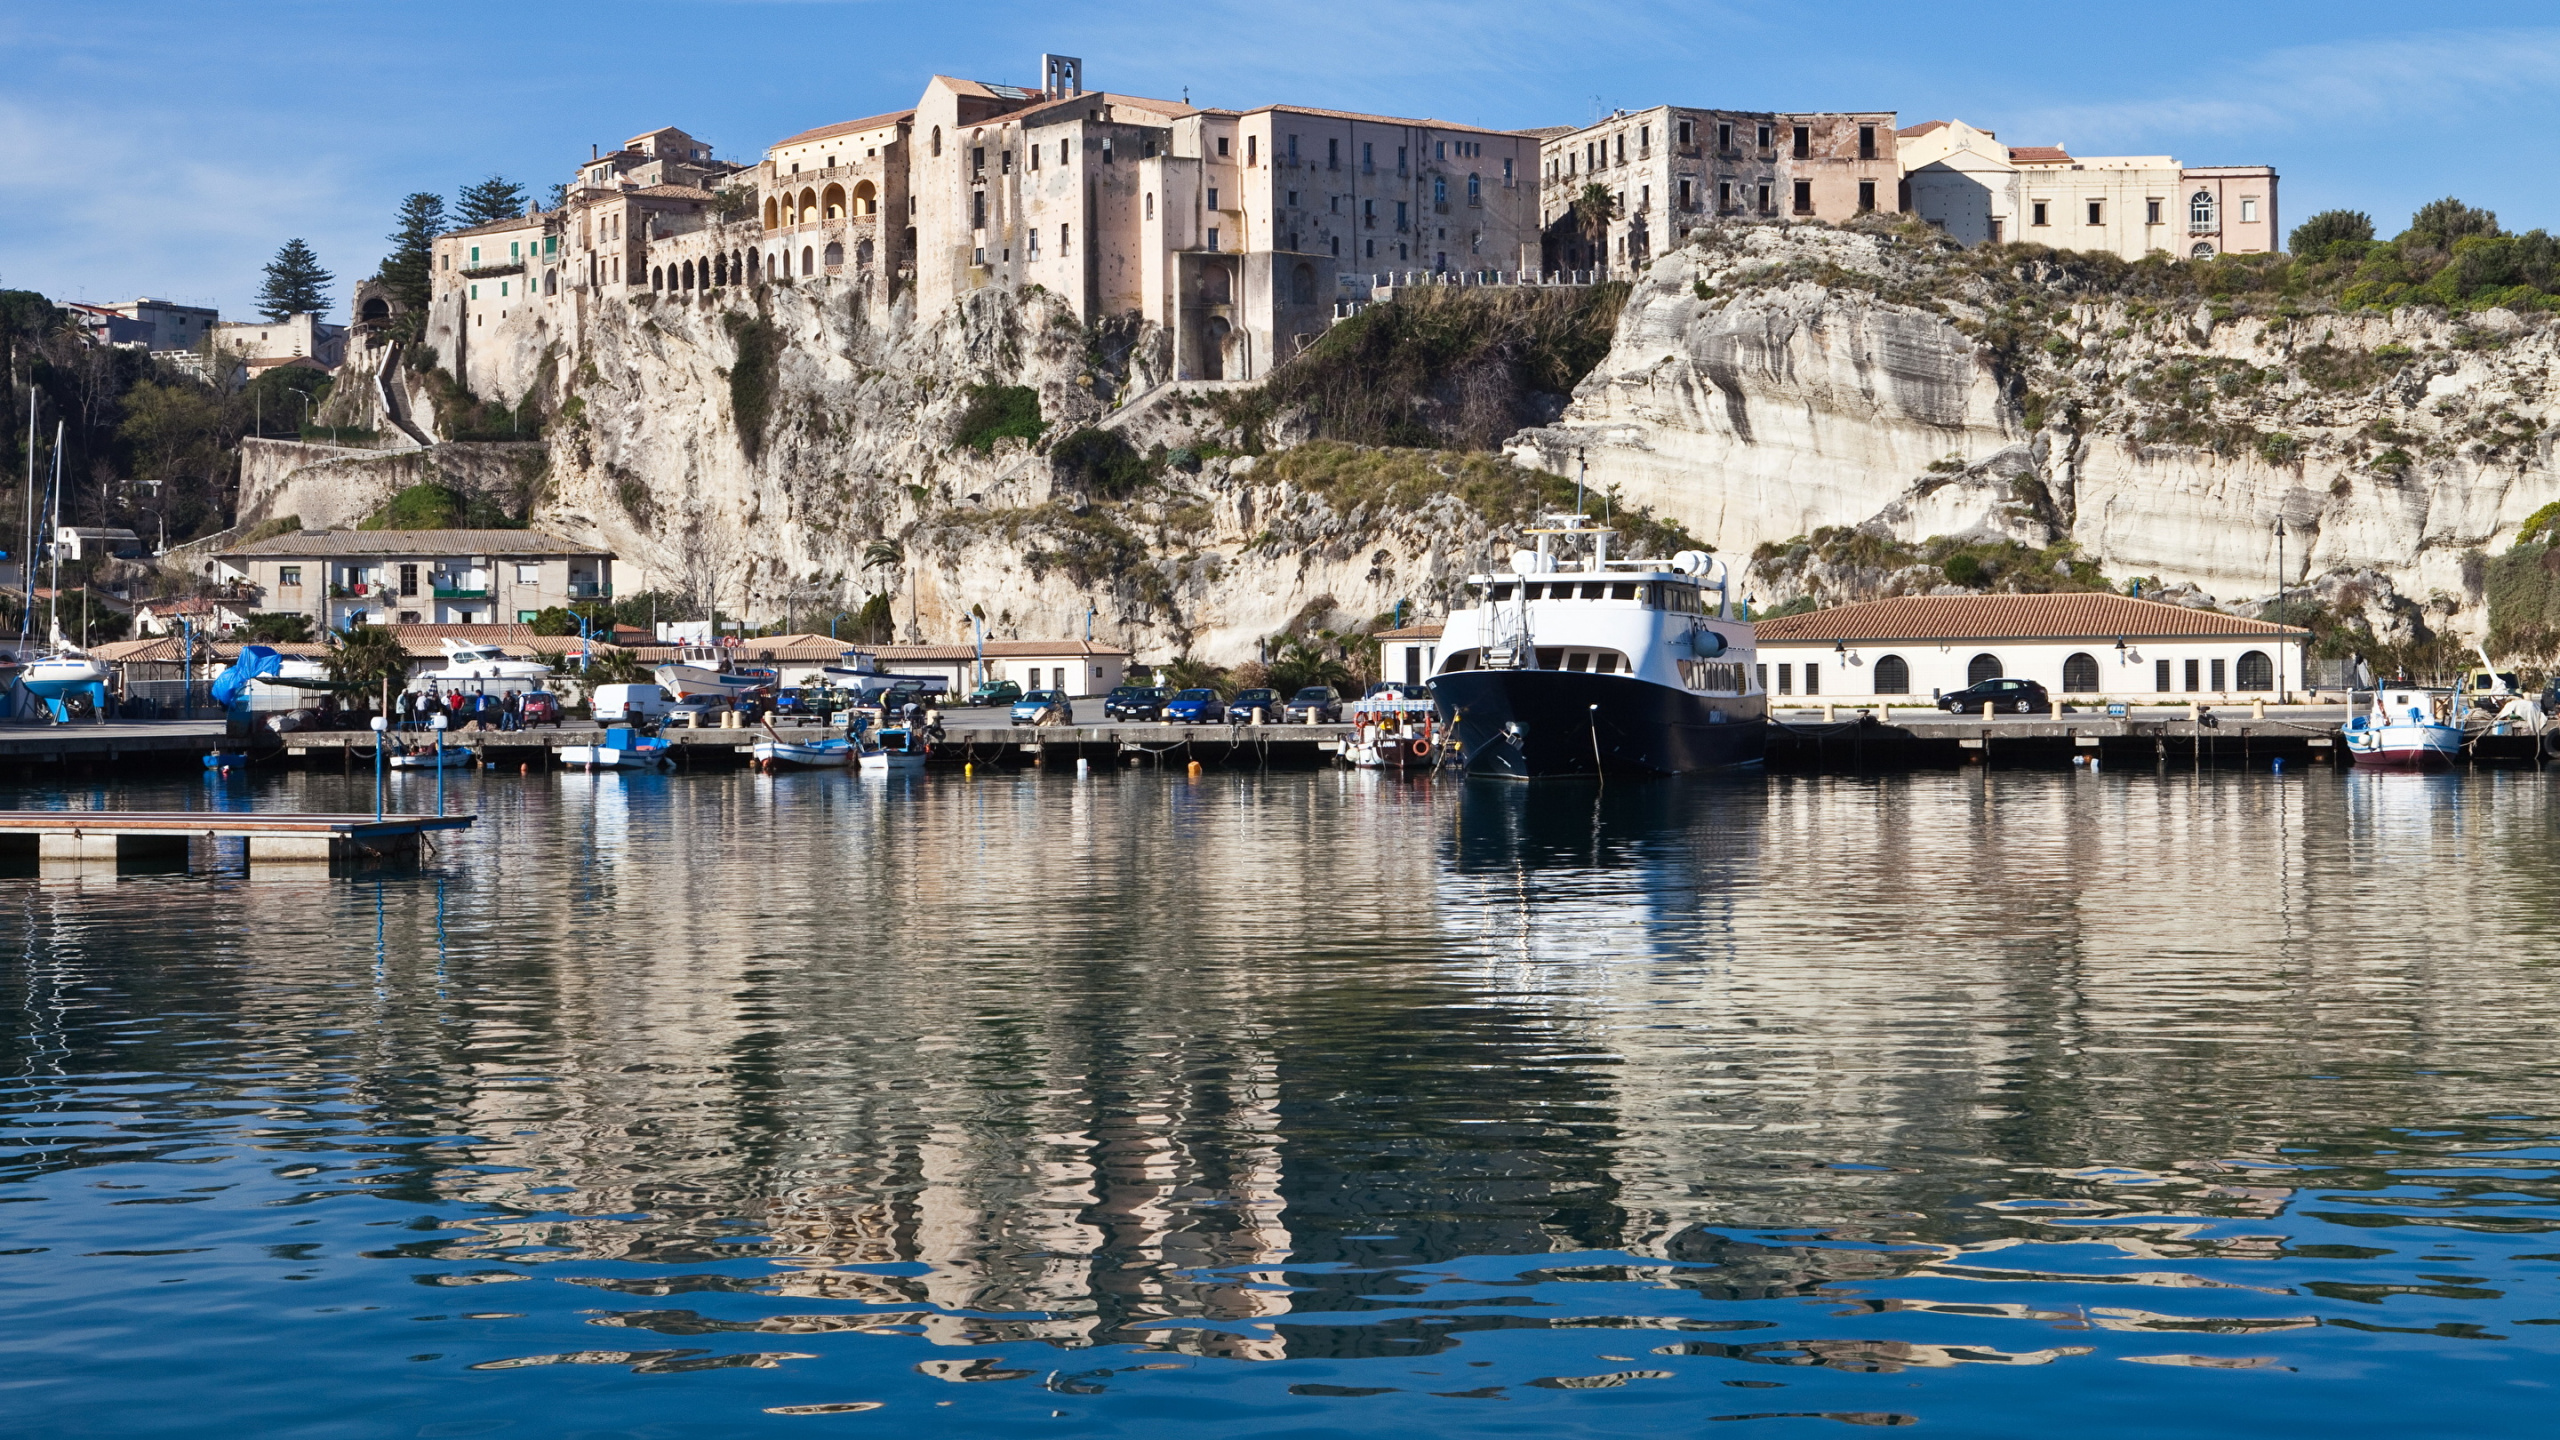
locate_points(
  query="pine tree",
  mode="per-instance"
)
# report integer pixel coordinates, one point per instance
(406, 268)
(496, 198)
(295, 283)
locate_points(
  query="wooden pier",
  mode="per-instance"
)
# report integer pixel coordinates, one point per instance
(100, 838)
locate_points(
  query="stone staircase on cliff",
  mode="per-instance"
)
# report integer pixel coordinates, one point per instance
(394, 398)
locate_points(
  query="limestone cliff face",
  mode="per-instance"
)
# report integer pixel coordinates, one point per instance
(847, 440)
(1770, 381)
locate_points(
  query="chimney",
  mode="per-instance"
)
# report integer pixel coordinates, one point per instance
(595, 152)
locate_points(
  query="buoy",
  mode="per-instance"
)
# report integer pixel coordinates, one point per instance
(2279, 764)
(1194, 771)
(967, 770)
(1082, 768)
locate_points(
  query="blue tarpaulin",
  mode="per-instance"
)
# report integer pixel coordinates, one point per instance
(254, 661)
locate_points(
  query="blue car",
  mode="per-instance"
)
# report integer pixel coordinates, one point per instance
(1034, 707)
(1194, 707)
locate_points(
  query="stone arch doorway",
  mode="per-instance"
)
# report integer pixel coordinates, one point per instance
(2080, 674)
(1213, 348)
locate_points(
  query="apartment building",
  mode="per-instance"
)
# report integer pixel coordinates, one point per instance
(1963, 180)
(411, 577)
(1673, 167)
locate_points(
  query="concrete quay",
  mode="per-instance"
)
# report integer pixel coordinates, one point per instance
(1846, 737)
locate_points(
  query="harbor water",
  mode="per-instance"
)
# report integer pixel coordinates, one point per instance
(2008, 1104)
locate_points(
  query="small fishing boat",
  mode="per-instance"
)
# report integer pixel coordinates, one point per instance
(2408, 729)
(1394, 727)
(896, 750)
(623, 749)
(434, 757)
(831, 752)
(225, 761)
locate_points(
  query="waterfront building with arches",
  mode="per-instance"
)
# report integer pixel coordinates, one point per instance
(2093, 648)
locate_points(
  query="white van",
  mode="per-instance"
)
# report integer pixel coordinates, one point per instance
(628, 703)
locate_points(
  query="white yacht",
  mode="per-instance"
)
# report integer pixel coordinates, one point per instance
(1592, 666)
(478, 667)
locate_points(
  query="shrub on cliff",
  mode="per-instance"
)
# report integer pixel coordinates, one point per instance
(753, 378)
(1099, 462)
(997, 411)
(440, 507)
(1439, 367)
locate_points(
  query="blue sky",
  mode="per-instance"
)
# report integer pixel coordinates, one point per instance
(167, 148)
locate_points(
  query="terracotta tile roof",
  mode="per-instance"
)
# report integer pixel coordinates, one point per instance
(1043, 112)
(845, 127)
(672, 192)
(497, 227)
(2014, 617)
(1909, 132)
(1034, 649)
(296, 544)
(2038, 155)
(1410, 632)
(157, 648)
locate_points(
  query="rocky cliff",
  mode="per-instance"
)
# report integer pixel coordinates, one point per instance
(1830, 401)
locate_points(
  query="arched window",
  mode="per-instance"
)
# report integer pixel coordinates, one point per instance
(937, 139)
(686, 270)
(755, 260)
(1214, 289)
(866, 198)
(657, 278)
(719, 269)
(2080, 674)
(808, 206)
(2203, 251)
(1440, 193)
(1985, 666)
(808, 260)
(835, 255)
(1302, 285)
(771, 210)
(2200, 209)
(832, 202)
(376, 308)
(2256, 671)
(550, 282)
(1475, 191)
(1893, 676)
(862, 252)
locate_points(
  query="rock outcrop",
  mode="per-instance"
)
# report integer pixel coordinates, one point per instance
(1768, 382)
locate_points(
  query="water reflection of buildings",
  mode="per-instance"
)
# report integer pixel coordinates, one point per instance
(1105, 1060)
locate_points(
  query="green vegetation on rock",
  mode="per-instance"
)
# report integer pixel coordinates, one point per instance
(996, 412)
(431, 506)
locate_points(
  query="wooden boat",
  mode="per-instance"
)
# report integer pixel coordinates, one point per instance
(439, 757)
(895, 751)
(2407, 729)
(831, 752)
(623, 749)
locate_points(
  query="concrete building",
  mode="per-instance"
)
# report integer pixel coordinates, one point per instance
(408, 577)
(1674, 167)
(1964, 181)
(1410, 653)
(2082, 647)
(265, 343)
(164, 324)
(85, 542)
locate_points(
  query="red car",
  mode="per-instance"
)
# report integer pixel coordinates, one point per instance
(541, 707)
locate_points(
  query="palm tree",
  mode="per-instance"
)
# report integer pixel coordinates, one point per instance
(1593, 209)
(1303, 662)
(1185, 673)
(369, 660)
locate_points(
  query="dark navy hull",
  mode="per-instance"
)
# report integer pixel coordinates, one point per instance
(1528, 724)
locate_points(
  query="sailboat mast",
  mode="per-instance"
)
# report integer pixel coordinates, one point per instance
(26, 553)
(53, 519)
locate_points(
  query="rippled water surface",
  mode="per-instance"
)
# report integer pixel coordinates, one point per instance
(2005, 1104)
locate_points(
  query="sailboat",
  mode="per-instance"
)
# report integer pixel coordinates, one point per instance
(65, 671)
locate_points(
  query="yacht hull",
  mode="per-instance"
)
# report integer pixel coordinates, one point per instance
(1532, 724)
(2413, 746)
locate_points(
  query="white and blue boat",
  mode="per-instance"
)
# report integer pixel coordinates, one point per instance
(2407, 729)
(829, 752)
(623, 749)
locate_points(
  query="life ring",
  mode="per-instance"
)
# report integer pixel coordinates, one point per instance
(1421, 748)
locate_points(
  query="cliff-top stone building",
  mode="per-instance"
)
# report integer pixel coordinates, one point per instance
(1231, 229)
(1964, 181)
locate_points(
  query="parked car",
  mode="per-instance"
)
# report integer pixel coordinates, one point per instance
(2026, 697)
(541, 707)
(1248, 701)
(628, 704)
(1194, 707)
(1315, 705)
(1134, 702)
(1396, 690)
(1030, 708)
(700, 714)
(995, 692)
